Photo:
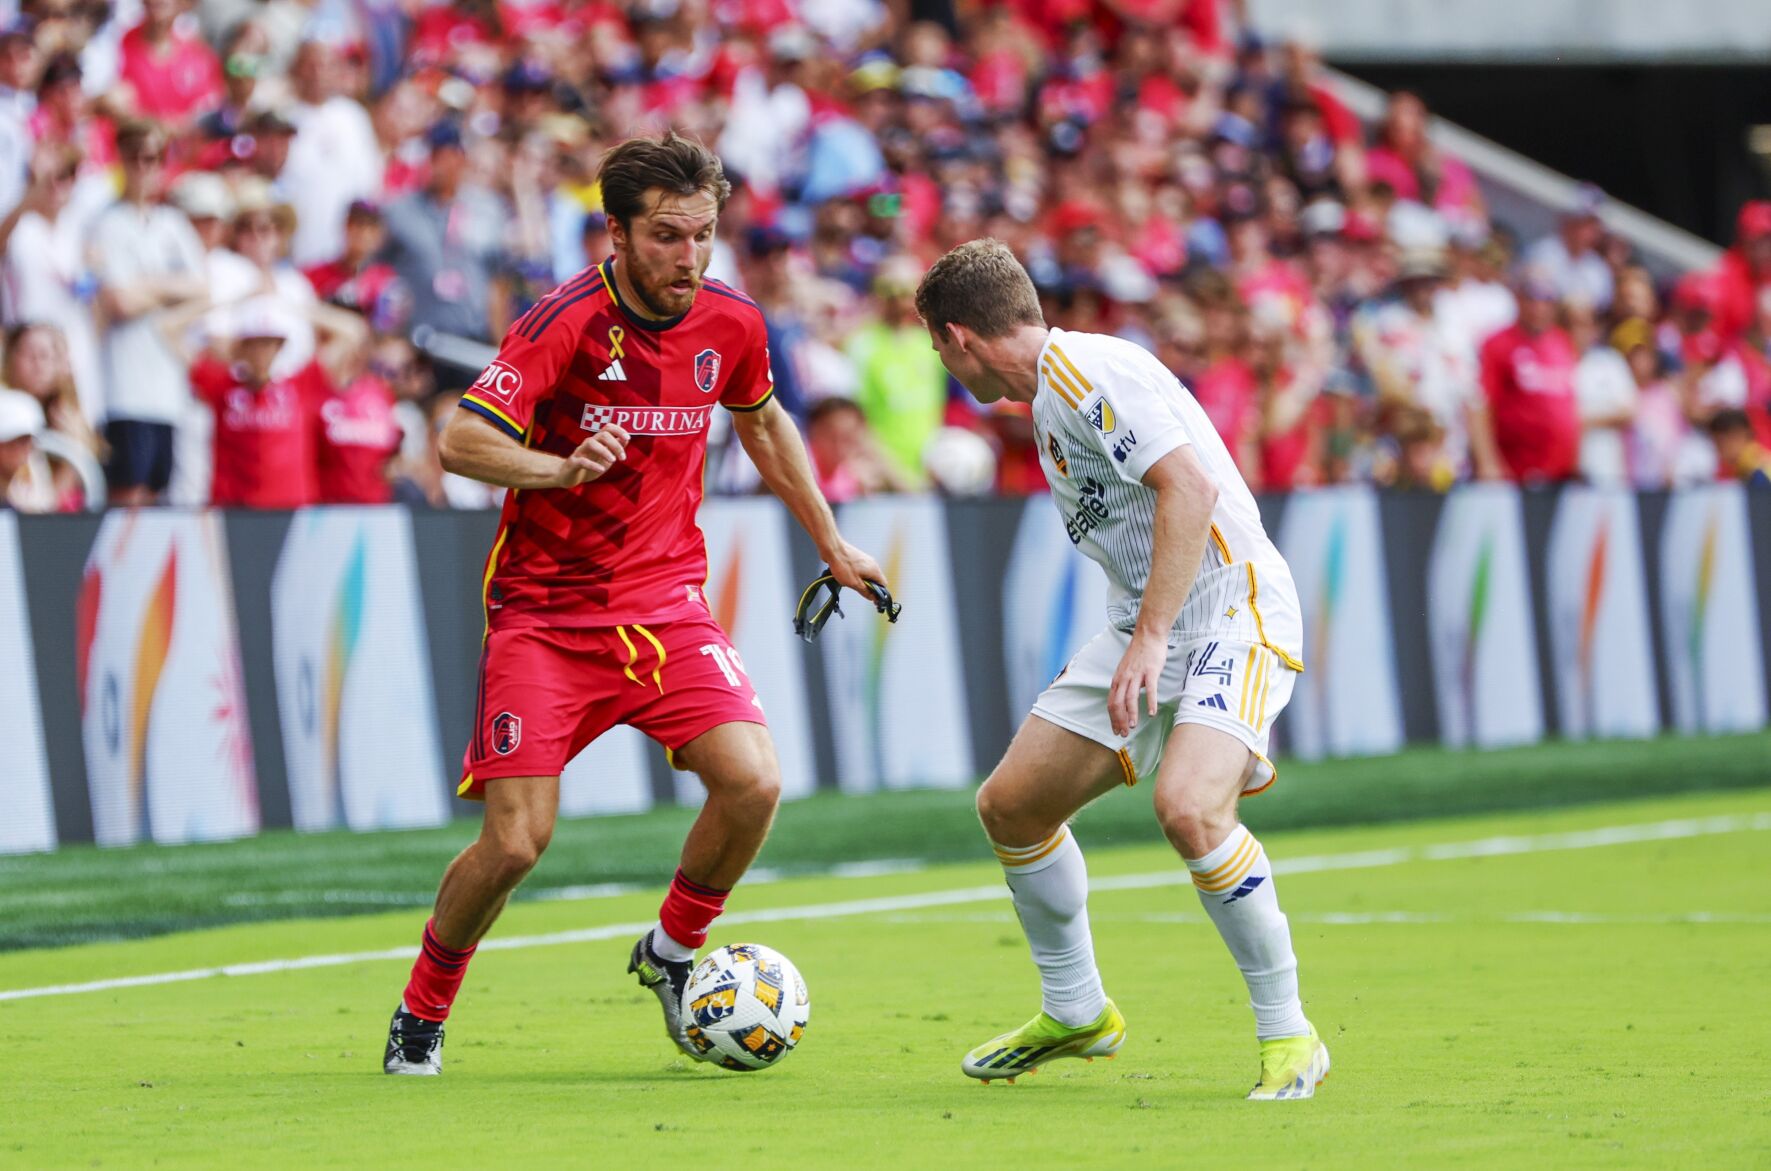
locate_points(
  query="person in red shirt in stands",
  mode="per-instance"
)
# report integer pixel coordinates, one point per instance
(173, 75)
(356, 279)
(1745, 270)
(266, 428)
(1528, 376)
(358, 434)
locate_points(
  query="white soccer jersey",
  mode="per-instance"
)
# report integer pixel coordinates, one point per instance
(1106, 410)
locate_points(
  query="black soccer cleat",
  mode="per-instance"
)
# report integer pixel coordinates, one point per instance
(414, 1046)
(667, 979)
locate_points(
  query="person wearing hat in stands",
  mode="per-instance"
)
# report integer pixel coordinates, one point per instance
(1571, 258)
(1745, 269)
(1416, 360)
(25, 485)
(446, 242)
(269, 138)
(1528, 376)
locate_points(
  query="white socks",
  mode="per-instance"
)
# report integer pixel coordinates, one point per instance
(1235, 882)
(668, 948)
(1050, 886)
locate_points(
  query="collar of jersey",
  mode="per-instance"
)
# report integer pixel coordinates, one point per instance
(608, 267)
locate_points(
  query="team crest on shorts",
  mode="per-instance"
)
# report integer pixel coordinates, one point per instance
(507, 733)
(707, 370)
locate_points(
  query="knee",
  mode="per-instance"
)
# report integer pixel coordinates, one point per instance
(1193, 824)
(1004, 822)
(755, 785)
(514, 854)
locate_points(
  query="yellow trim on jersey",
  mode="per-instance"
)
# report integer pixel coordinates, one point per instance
(1273, 775)
(1260, 628)
(477, 401)
(486, 581)
(1217, 538)
(464, 786)
(633, 655)
(1087, 387)
(759, 404)
(658, 671)
(1066, 390)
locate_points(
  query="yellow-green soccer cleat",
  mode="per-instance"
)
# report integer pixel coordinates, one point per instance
(1291, 1067)
(1043, 1039)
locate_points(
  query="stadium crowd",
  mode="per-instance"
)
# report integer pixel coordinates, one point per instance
(252, 247)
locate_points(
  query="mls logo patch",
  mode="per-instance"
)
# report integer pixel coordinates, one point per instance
(707, 370)
(507, 733)
(1101, 416)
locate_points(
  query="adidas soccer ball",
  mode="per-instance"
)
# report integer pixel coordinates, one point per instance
(745, 1006)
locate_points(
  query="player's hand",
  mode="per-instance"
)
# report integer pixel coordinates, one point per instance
(1140, 670)
(594, 456)
(854, 569)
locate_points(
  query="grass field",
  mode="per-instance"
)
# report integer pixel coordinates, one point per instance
(1576, 987)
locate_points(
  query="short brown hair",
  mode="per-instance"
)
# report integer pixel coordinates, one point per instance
(981, 286)
(678, 165)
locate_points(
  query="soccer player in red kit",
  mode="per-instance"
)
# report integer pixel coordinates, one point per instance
(595, 415)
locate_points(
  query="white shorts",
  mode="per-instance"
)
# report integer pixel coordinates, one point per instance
(1236, 687)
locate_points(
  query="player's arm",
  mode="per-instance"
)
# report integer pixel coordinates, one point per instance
(1185, 497)
(774, 445)
(472, 446)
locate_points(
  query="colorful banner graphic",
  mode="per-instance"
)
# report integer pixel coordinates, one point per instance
(353, 674)
(1479, 622)
(1709, 616)
(751, 591)
(1346, 703)
(163, 713)
(27, 817)
(1053, 601)
(1597, 601)
(897, 698)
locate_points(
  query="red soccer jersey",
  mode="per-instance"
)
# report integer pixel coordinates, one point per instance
(264, 438)
(358, 434)
(1530, 386)
(623, 548)
(173, 85)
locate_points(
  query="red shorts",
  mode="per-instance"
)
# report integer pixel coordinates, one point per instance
(546, 692)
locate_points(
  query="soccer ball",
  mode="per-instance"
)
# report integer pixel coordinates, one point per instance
(745, 1006)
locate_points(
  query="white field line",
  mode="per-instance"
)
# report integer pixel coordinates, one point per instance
(1369, 918)
(1358, 860)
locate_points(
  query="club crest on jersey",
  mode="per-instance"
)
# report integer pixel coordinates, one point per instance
(648, 420)
(1101, 416)
(1058, 460)
(499, 381)
(507, 733)
(707, 370)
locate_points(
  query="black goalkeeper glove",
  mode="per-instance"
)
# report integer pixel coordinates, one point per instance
(821, 599)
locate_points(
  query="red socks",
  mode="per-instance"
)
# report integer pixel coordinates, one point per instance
(436, 977)
(689, 909)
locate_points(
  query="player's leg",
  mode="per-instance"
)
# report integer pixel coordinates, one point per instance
(1048, 773)
(703, 709)
(529, 706)
(1207, 766)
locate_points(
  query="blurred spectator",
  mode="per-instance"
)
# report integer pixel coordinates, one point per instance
(845, 455)
(18, 70)
(1605, 388)
(422, 481)
(37, 365)
(1476, 303)
(1745, 269)
(334, 159)
(359, 434)
(170, 73)
(1421, 461)
(1738, 453)
(24, 474)
(903, 387)
(357, 279)
(43, 273)
(1571, 259)
(1404, 160)
(1658, 432)
(446, 242)
(1416, 360)
(147, 259)
(242, 64)
(1528, 374)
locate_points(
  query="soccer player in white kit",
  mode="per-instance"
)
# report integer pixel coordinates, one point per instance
(1198, 658)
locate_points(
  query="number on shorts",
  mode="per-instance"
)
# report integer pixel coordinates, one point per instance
(730, 664)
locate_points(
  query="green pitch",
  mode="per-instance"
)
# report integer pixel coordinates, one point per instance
(1581, 987)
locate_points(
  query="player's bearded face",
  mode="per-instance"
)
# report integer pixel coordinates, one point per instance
(667, 249)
